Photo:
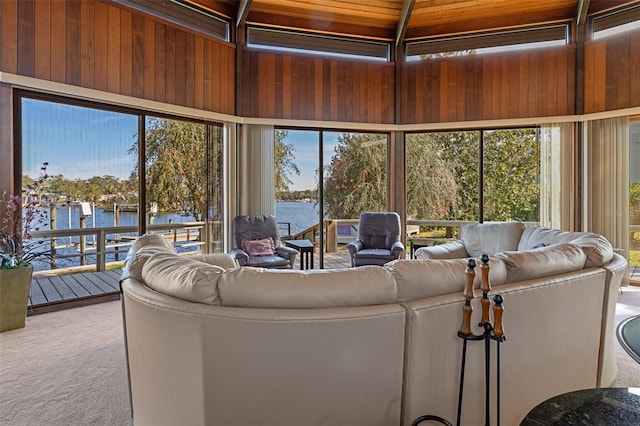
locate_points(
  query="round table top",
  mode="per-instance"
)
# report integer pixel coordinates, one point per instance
(597, 407)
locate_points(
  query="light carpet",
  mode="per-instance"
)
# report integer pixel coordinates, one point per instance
(68, 368)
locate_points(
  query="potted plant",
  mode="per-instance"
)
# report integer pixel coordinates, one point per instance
(17, 251)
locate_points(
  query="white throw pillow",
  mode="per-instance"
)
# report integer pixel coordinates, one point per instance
(183, 278)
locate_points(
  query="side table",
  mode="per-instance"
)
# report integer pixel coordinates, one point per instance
(305, 248)
(599, 406)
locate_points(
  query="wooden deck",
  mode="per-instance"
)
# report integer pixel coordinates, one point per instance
(51, 292)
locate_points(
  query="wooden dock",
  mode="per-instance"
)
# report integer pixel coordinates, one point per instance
(51, 292)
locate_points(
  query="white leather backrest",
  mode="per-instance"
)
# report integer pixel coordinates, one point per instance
(597, 248)
(315, 288)
(182, 277)
(421, 278)
(491, 237)
(223, 260)
(141, 249)
(542, 262)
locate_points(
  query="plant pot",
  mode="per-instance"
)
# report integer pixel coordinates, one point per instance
(14, 296)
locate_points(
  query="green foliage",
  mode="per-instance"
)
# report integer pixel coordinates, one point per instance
(284, 165)
(457, 152)
(442, 175)
(511, 175)
(356, 178)
(634, 203)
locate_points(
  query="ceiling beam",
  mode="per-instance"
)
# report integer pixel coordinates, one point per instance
(403, 22)
(243, 11)
(583, 8)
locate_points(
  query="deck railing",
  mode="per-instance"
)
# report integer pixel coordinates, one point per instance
(114, 241)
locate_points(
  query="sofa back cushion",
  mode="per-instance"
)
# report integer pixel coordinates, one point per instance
(421, 278)
(315, 288)
(141, 249)
(182, 277)
(542, 262)
(223, 260)
(491, 237)
(597, 248)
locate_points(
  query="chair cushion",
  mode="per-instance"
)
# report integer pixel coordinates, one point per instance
(263, 247)
(315, 288)
(491, 237)
(182, 277)
(268, 262)
(373, 257)
(379, 230)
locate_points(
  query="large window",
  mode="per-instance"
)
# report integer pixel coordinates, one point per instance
(348, 178)
(90, 155)
(454, 177)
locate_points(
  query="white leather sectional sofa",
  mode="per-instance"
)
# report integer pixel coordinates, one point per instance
(211, 344)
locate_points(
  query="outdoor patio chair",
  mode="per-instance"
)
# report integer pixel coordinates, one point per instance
(378, 239)
(257, 243)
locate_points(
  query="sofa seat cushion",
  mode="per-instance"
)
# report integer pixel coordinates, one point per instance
(542, 262)
(597, 248)
(420, 278)
(491, 237)
(182, 277)
(315, 288)
(142, 248)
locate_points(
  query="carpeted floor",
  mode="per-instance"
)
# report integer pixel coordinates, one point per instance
(68, 368)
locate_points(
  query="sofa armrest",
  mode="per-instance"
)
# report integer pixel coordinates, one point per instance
(607, 368)
(241, 256)
(452, 250)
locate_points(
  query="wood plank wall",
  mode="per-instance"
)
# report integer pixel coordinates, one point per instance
(489, 87)
(612, 73)
(99, 45)
(286, 86)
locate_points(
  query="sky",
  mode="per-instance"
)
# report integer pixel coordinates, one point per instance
(79, 143)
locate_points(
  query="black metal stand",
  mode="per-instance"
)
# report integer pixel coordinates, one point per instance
(491, 331)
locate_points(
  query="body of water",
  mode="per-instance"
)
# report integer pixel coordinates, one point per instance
(300, 214)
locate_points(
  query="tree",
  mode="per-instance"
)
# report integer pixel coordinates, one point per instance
(511, 175)
(284, 165)
(431, 186)
(175, 166)
(356, 177)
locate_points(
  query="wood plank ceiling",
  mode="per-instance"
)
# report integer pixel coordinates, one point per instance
(399, 20)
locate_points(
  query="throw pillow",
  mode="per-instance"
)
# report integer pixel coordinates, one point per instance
(264, 247)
